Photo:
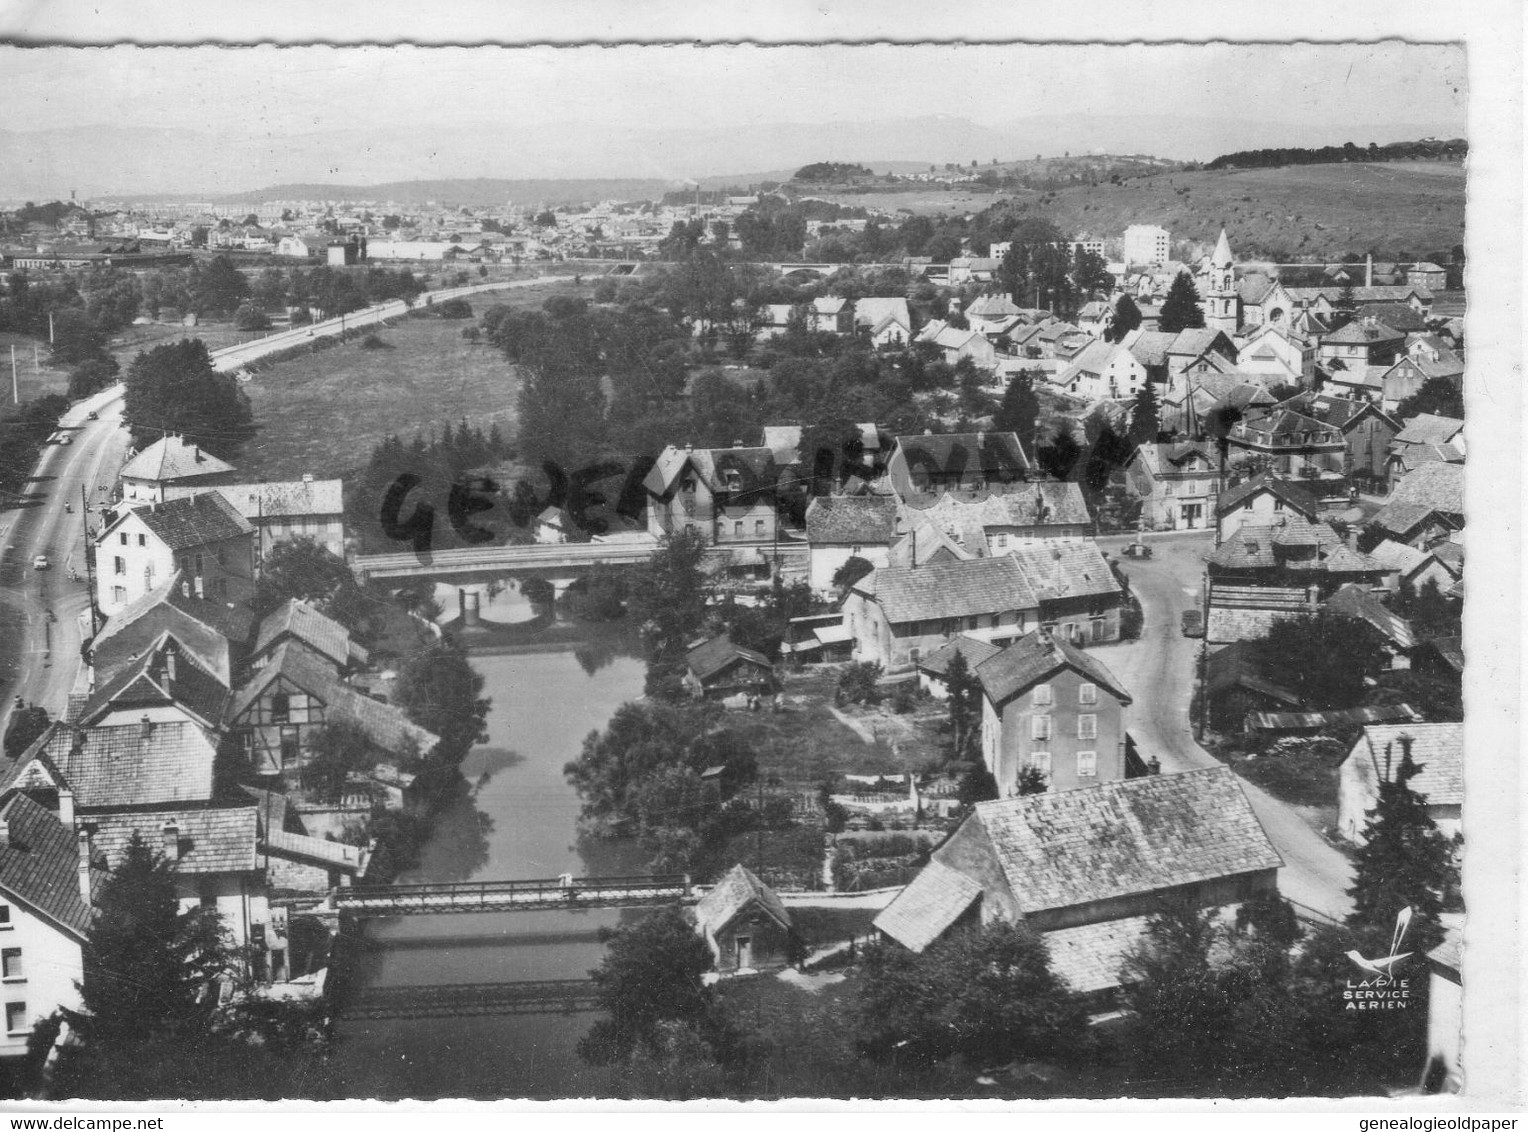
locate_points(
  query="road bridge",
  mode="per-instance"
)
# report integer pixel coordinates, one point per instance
(456, 1000)
(522, 559)
(512, 895)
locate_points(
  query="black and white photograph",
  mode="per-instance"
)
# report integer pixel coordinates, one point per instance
(842, 568)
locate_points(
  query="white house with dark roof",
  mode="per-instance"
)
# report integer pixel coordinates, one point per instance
(724, 495)
(1436, 748)
(1050, 707)
(887, 322)
(1088, 868)
(169, 462)
(1175, 484)
(203, 537)
(284, 511)
(1102, 370)
(1260, 502)
(956, 461)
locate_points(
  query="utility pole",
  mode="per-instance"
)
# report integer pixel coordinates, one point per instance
(50, 328)
(15, 388)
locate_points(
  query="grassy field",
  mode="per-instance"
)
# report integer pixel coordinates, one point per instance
(1297, 211)
(35, 375)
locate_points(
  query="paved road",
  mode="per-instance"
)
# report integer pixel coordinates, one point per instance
(39, 653)
(1159, 671)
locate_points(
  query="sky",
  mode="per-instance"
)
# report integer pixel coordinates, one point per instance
(317, 88)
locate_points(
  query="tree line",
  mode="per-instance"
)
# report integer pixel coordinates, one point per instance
(1427, 149)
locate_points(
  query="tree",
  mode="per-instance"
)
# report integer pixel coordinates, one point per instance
(1404, 862)
(92, 376)
(987, 995)
(650, 976)
(853, 569)
(1031, 780)
(174, 389)
(1145, 415)
(219, 287)
(300, 568)
(1019, 411)
(1345, 306)
(76, 336)
(1323, 659)
(438, 688)
(26, 726)
(340, 749)
(1060, 458)
(1125, 318)
(668, 598)
(1181, 309)
(146, 963)
(965, 702)
(1090, 273)
(1437, 395)
(249, 316)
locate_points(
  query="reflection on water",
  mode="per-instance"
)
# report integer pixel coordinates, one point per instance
(517, 820)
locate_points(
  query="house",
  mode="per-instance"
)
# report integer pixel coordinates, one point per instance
(934, 669)
(213, 633)
(718, 668)
(1278, 355)
(1088, 868)
(1235, 685)
(1291, 445)
(296, 247)
(1261, 501)
(744, 924)
(1397, 316)
(1413, 569)
(993, 522)
(1422, 362)
(1262, 301)
(955, 344)
(296, 620)
(887, 322)
(1438, 751)
(1292, 550)
(1425, 505)
(1175, 483)
(989, 312)
(1078, 594)
(1204, 347)
(1149, 347)
(972, 269)
(1367, 431)
(553, 526)
(1426, 439)
(166, 684)
(955, 461)
(725, 495)
(1362, 604)
(1102, 370)
(203, 537)
(900, 614)
(283, 511)
(278, 711)
(840, 527)
(46, 897)
(831, 314)
(169, 460)
(1356, 356)
(1050, 707)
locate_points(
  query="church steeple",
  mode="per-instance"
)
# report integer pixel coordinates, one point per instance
(1220, 300)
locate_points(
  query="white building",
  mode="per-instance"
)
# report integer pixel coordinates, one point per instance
(1146, 243)
(204, 537)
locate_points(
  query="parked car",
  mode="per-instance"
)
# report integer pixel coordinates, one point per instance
(92, 415)
(1137, 550)
(40, 562)
(1193, 623)
(66, 438)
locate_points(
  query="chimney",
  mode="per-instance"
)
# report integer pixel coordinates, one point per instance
(145, 727)
(169, 835)
(82, 865)
(196, 453)
(688, 447)
(66, 807)
(1369, 270)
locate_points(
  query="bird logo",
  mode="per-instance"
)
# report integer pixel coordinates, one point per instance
(1385, 967)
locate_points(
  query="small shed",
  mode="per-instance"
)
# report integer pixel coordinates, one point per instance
(718, 668)
(553, 526)
(744, 924)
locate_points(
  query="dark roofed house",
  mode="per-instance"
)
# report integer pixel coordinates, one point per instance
(1366, 429)
(1069, 863)
(1362, 604)
(1292, 445)
(137, 764)
(1236, 685)
(297, 620)
(1260, 501)
(199, 626)
(960, 461)
(718, 668)
(169, 461)
(1438, 751)
(933, 669)
(744, 924)
(1425, 506)
(725, 495)
(203, 537)
(167, 680)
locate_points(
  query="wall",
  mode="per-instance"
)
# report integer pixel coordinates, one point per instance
(51, 964)
(1215, 893)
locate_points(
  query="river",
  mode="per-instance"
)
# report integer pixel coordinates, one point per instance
(519, 822)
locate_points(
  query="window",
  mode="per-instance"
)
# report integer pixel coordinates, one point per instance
(16, 1018)
(1042, 694)
(10, 965)
(281, 707)
(1247, 506)
(758, 528)
(1039, 727)
(119, 565)
(971, 623)
(118, 594)
(1087, 764)
(1098, 628)
(1087, 727)
(198, 565)
(737, 529)
(290, 748)
(1167, 487)
(1278, 504)
(143, 540)
(5, 917)
(1087, 693)
(689, 487)
(1041, 761)
(123, 537)
(1001, 541)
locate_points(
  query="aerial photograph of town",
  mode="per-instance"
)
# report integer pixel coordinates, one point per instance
(536, 573)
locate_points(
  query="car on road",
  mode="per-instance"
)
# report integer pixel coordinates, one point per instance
(66, 438)
(92, 415)
(40, 562)
(1137, 550)
(1193, 623)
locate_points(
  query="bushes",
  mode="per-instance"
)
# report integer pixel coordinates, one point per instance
(865, 861)
(374, 342)
(857, 683)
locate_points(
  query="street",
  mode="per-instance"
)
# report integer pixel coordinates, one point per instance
(1159, 672)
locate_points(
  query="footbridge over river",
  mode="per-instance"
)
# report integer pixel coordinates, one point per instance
(529, 561)
(513, 895)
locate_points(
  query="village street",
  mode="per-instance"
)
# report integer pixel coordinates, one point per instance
(1159, 671)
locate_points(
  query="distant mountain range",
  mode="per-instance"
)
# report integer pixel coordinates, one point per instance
(529, 151)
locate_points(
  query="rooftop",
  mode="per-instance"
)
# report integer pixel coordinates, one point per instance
(190, 522)
(1033, 658)
(951, 589)
(171, 458)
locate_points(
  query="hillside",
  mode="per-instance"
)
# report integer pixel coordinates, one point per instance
(472, 191)
(1294, 212)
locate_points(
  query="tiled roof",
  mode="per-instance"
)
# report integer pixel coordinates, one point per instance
(333, 854)
(211, 841)
(925, 909)
(1141, 835)
(1399, 557)
(1437, 748)
(1438, 486)
(1450, 650)
(937, 663)
(1397, 316)
(1429, 428)
(873, 311)
(284, 499)
(124, 766)
(1150, 347)
(299, 620)
(39, 864)
(171, 458)
(1236, 666)
(757, 466)
(1032, 658)
(147, 682)
(731, 895)
(1360, 333)
(925, 545)
(128, 634)
(234, 621)
(1058, 569)
(1037, 503)
(195, 521)
(1362, 603)
(1252, 547)
(1291, 493)
(852, 519)
(1401, 518)
(710, 657)
(385, 725)
(953, 589)
(1090, 957)
(1194, 342)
